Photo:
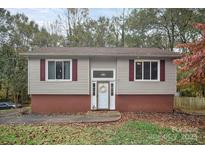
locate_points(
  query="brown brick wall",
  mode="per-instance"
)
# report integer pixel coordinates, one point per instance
(144, 103)
(81, 103)
(60, 103)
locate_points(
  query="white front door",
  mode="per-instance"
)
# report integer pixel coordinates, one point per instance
(103, 95)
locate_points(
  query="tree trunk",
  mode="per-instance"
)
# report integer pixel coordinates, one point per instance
(203, 90)
(123, 28)
(7, 93)
(172, 32)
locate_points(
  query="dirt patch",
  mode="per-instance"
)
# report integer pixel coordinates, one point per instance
(191, 112)
(15, 112)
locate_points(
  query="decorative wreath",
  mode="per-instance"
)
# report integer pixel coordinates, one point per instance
(103, 89)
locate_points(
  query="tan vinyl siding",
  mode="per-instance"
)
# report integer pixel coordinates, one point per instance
(81, 86)
(103, 63)
(124, 86)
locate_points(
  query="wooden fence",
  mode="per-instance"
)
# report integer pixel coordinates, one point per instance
(190, 104)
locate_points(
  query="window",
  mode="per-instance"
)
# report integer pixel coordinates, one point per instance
(59, 69)
(138, 70)
(59, 66)
(154, 74)
(51, 70)
(93, 89)
(112, 89)
(146, 70)
(102, 74)
(67, 70)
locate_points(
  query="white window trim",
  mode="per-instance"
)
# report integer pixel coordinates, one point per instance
(102, 79)
(62, 69)
(146, 80)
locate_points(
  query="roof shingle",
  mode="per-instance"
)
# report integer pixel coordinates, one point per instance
(89, 51)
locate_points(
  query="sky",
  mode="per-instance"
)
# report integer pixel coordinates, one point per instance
(44, 16)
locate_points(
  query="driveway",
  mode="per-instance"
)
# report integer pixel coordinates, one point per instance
(17, 118)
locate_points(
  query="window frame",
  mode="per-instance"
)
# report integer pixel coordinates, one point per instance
(57, 60)
(147, 80)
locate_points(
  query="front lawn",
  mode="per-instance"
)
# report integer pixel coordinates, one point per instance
(127, 132)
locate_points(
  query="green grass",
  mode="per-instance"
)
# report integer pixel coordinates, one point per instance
(146, 133)
(130, 132)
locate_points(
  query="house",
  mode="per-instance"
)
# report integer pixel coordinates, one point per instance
(82, 79)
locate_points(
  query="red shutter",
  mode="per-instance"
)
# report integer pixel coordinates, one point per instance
(42, 70)
(162, 70)
(131, 70)
(74, 69)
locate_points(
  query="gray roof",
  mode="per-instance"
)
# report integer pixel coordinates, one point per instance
(91, 51)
